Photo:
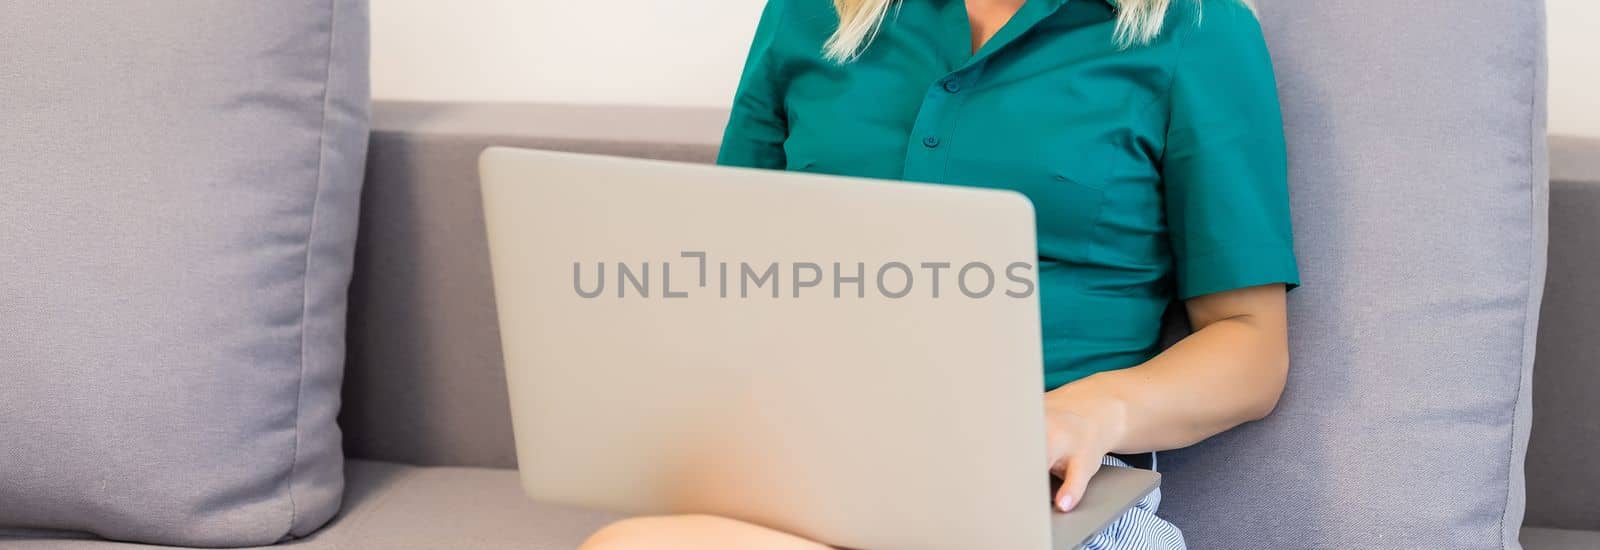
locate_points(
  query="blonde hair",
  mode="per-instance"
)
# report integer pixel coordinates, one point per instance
(1138, 23)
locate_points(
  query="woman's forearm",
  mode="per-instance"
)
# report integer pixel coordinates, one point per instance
(1229, 372)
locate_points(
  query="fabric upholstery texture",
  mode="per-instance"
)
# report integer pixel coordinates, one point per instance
(1563, 484)
(178, 199)
(1419, 186)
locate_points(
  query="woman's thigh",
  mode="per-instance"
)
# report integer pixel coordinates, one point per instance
(1139, 528)
(693, 532)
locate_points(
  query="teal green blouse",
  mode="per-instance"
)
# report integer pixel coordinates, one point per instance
(1157, 172)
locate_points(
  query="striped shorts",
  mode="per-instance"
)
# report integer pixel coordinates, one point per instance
(1139, 528)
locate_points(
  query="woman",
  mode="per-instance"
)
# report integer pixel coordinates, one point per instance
(1147, 134)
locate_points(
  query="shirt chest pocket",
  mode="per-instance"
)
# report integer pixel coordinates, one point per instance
(1068, 213)
(1069, 199)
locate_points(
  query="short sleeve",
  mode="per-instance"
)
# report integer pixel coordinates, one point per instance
(757, 124)
(1225, 167)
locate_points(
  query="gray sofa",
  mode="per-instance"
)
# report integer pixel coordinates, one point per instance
(427, 429)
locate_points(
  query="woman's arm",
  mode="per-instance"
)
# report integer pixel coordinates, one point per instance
(1231, 370)
(757, 124)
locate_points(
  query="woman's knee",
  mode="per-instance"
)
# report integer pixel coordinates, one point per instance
(691, 532)
(632, 533)
(655, 533)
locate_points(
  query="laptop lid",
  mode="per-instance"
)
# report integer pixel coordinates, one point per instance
(856, 362)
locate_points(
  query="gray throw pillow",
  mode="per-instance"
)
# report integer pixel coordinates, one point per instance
(1419, 190)
(178, 191)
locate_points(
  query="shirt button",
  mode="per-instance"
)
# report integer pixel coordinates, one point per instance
(952, 85)
(930, 142)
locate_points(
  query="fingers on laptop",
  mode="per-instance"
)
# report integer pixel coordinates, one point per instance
(1075, 470)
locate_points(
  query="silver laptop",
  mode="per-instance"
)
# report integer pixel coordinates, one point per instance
(856, 362)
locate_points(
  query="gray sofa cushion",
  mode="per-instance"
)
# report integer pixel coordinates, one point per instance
(180, 183)
(1418, 186)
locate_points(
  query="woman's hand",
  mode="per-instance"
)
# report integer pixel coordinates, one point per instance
(1081, 426)
(1230, 371)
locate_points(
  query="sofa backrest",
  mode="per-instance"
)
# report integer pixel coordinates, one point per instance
(1563, 484)
(424, 382)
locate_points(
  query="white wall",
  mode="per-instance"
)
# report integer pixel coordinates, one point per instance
(1575, 67)
(654, 52)
(675, 52)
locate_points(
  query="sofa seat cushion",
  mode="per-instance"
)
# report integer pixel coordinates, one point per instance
(404, 507)
(391, 506)
(1540, 538)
